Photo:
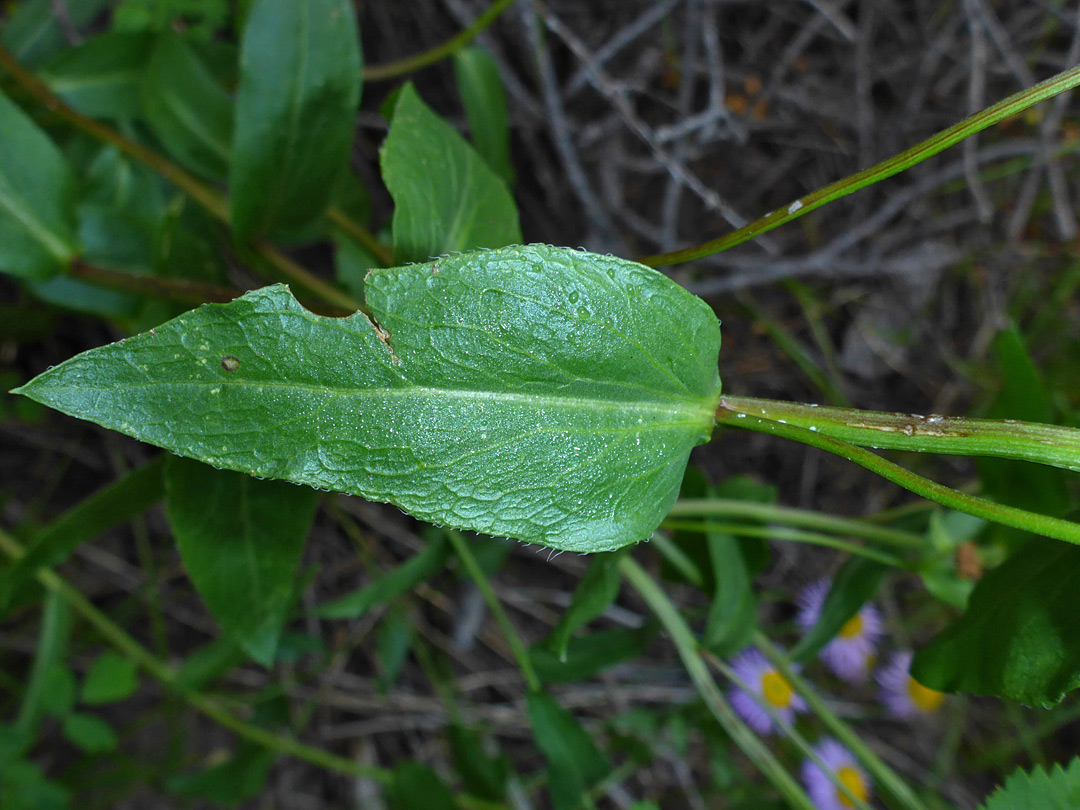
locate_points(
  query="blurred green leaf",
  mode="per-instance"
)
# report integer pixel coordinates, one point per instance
(208, 663)
(238, 778)
(593, 595)
(852, 587)
(24, 787)
(295, 112)
(446, 198)
(37, 218)
(102, 77)
(937, 569)
(732, 617)
(1026, 790)
(392, 645)
(417, 787)
(89, 733)
(591, 654)
(58, 691)
(1023, 396)
(482, 93)
(574, 763)
(111, 505)
(34, 34)
(1020, 636)
(49, 657)
(421, 567)
(187, 110)
(483, 774)
(241, 540)
(547, 409)
(199, 19)
(111, 677)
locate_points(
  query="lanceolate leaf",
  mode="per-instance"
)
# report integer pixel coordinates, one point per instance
(102, 77)
(34, 33)
(1020, 636)
(295, 110)
(37, 221)
(481, 91)
(187, 109)
(241, 541)
(446, 197)
(538, 393)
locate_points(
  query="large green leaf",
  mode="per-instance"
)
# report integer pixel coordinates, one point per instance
(102, 77)
(187, 109)
(1020, 636)
(241, 541)
(295, 112)
(37, 220)
(539, 393)
(446, 197)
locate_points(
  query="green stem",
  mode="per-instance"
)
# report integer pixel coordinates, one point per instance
(517, 646)
(687, 646)
(962, 502)
(952, 435)
(805, 518)
(887, 168)
(162, 672)
(790, 535)
(359, 234)
(391, 70)
(171, 289)
(885, 776)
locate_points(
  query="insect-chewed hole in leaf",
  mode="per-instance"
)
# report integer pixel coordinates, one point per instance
(230, 363)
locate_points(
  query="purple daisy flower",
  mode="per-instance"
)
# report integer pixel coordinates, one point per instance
(769, 686)
(904, 696)
(850, 654)
(839, 761)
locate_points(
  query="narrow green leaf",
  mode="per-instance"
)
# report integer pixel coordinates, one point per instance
(591, 654)
(732, 617)
(418, 568)
(482, 93)
(89, 733)
(417, 787)
(574, 763)
(34, 33)
(538, 393)
(483, 774)
(295, 109)
(854, 584)
(50, 654)
(392, 645)
(1024, 790)
(187, 109)
(116, 503)
(594, 593)
(1020, 636)
(446, 198)
(241, 541)
(238, 778)
(103, 76)
(111, 677)
(37, 222)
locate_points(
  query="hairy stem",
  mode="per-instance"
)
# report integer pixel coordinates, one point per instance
(962, 502)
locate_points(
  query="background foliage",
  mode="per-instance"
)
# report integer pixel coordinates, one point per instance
(255, 642)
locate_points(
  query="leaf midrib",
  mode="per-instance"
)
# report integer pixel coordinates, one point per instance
(695, 408)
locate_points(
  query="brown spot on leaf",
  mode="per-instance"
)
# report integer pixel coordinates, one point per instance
(230, 363)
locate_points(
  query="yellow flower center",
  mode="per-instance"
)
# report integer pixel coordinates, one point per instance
(775, 689)
(927, 700)
(850, 778)
(853, 627)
